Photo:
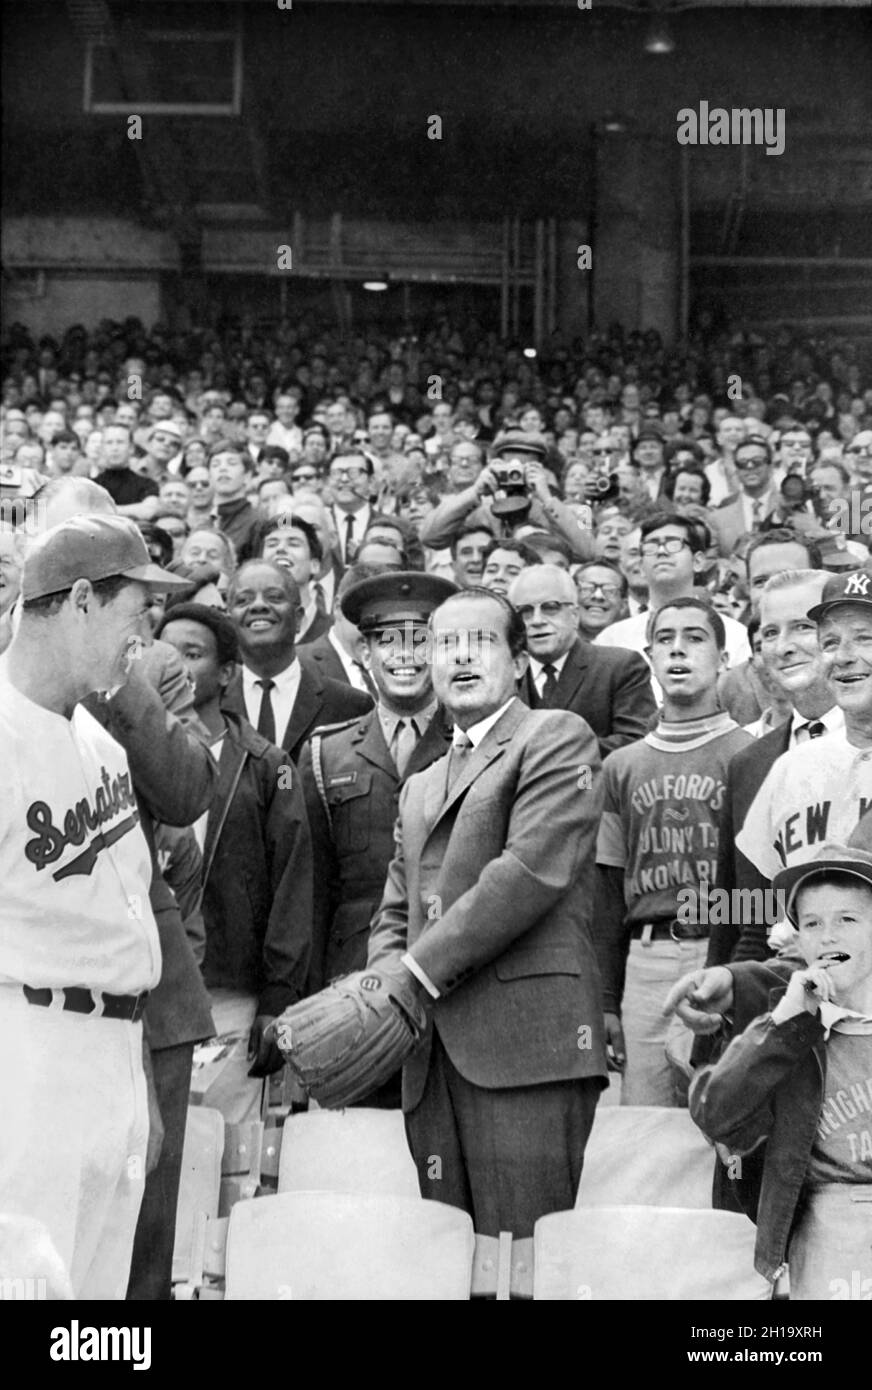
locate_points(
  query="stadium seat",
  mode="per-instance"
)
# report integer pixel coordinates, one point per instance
(646, 1154)
(199, 1189)
(305, 1246)
(355, 1150)
(632, 1253)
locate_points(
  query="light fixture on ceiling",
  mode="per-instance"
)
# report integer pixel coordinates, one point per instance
(613, 125)
(376, 286)
(659, 38)
(529, 352)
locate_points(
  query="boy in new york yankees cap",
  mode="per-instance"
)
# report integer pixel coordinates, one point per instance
(79, 947)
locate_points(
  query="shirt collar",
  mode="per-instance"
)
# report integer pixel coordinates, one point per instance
(837, 1019)
(832, 720)
(537, 667)
(389, 719)
(476, 732)
(283, 680)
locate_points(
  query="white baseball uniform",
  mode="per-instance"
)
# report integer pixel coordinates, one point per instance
(74, 911)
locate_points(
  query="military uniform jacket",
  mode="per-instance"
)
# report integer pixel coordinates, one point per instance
(353, 847)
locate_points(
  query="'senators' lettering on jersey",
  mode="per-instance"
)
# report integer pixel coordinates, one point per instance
(114, 795)
(74, 862)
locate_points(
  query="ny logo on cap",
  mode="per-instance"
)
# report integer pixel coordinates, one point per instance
(858, 584)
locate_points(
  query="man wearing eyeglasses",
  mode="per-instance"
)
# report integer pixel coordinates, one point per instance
(673, 553)
(746, 512)
(609, 688)
(602, 596)
(350, 483)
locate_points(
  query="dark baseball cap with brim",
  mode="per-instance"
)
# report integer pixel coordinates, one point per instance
(90, 547)
(830, 858)
(853, 587)
(394, 599)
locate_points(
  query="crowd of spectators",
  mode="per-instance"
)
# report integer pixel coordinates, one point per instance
(669, 545)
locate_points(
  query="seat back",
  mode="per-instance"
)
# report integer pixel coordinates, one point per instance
(633, 1253)
(355, 1150)
(199, 1185)
(305, 1246)
(647, 1155)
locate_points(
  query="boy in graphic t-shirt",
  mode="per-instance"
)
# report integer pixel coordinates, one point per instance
(658, 836)
(800, 1078)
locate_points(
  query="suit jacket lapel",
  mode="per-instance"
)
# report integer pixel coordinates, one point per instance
(490, 748)
(433, 744)
(570, 677)
(306, 709)
(527, 690)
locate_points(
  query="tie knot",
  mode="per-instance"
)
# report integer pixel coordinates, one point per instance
(549, 669)
(461, 741)
(815, 728)
(266, 685)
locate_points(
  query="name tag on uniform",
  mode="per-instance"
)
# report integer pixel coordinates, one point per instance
(344, 780)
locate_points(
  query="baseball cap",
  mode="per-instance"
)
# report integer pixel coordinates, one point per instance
(854, 587)
(90, 547)
(829, 859)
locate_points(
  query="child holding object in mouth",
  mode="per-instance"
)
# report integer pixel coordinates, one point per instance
(799, 1079)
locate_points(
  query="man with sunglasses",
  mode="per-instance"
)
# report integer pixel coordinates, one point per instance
(673, 554)
(609, 688)
(747, 511)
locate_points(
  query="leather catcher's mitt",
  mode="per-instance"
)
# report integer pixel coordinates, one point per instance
(350, 1037)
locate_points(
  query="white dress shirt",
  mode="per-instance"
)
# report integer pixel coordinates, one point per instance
(537, 671)
(360, 520)
(282, 696)
(476, 732)
(767, 502)
(352, 668)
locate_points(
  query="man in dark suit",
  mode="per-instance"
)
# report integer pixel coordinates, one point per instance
(338, 654)
(488, 904)
(790, 649)
(352, 772)
(257, 858)
(610, 687)
(281, 696)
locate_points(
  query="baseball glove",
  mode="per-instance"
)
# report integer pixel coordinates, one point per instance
(352, 1036)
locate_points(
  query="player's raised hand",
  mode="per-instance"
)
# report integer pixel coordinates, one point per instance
(700, 997)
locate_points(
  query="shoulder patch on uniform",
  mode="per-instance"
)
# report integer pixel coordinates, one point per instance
(344, 779)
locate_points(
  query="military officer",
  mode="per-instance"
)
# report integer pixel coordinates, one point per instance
(352, 772)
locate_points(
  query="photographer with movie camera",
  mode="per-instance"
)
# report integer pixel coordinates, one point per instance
(511, 492)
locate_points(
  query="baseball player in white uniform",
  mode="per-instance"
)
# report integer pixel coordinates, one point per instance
(78, 942)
